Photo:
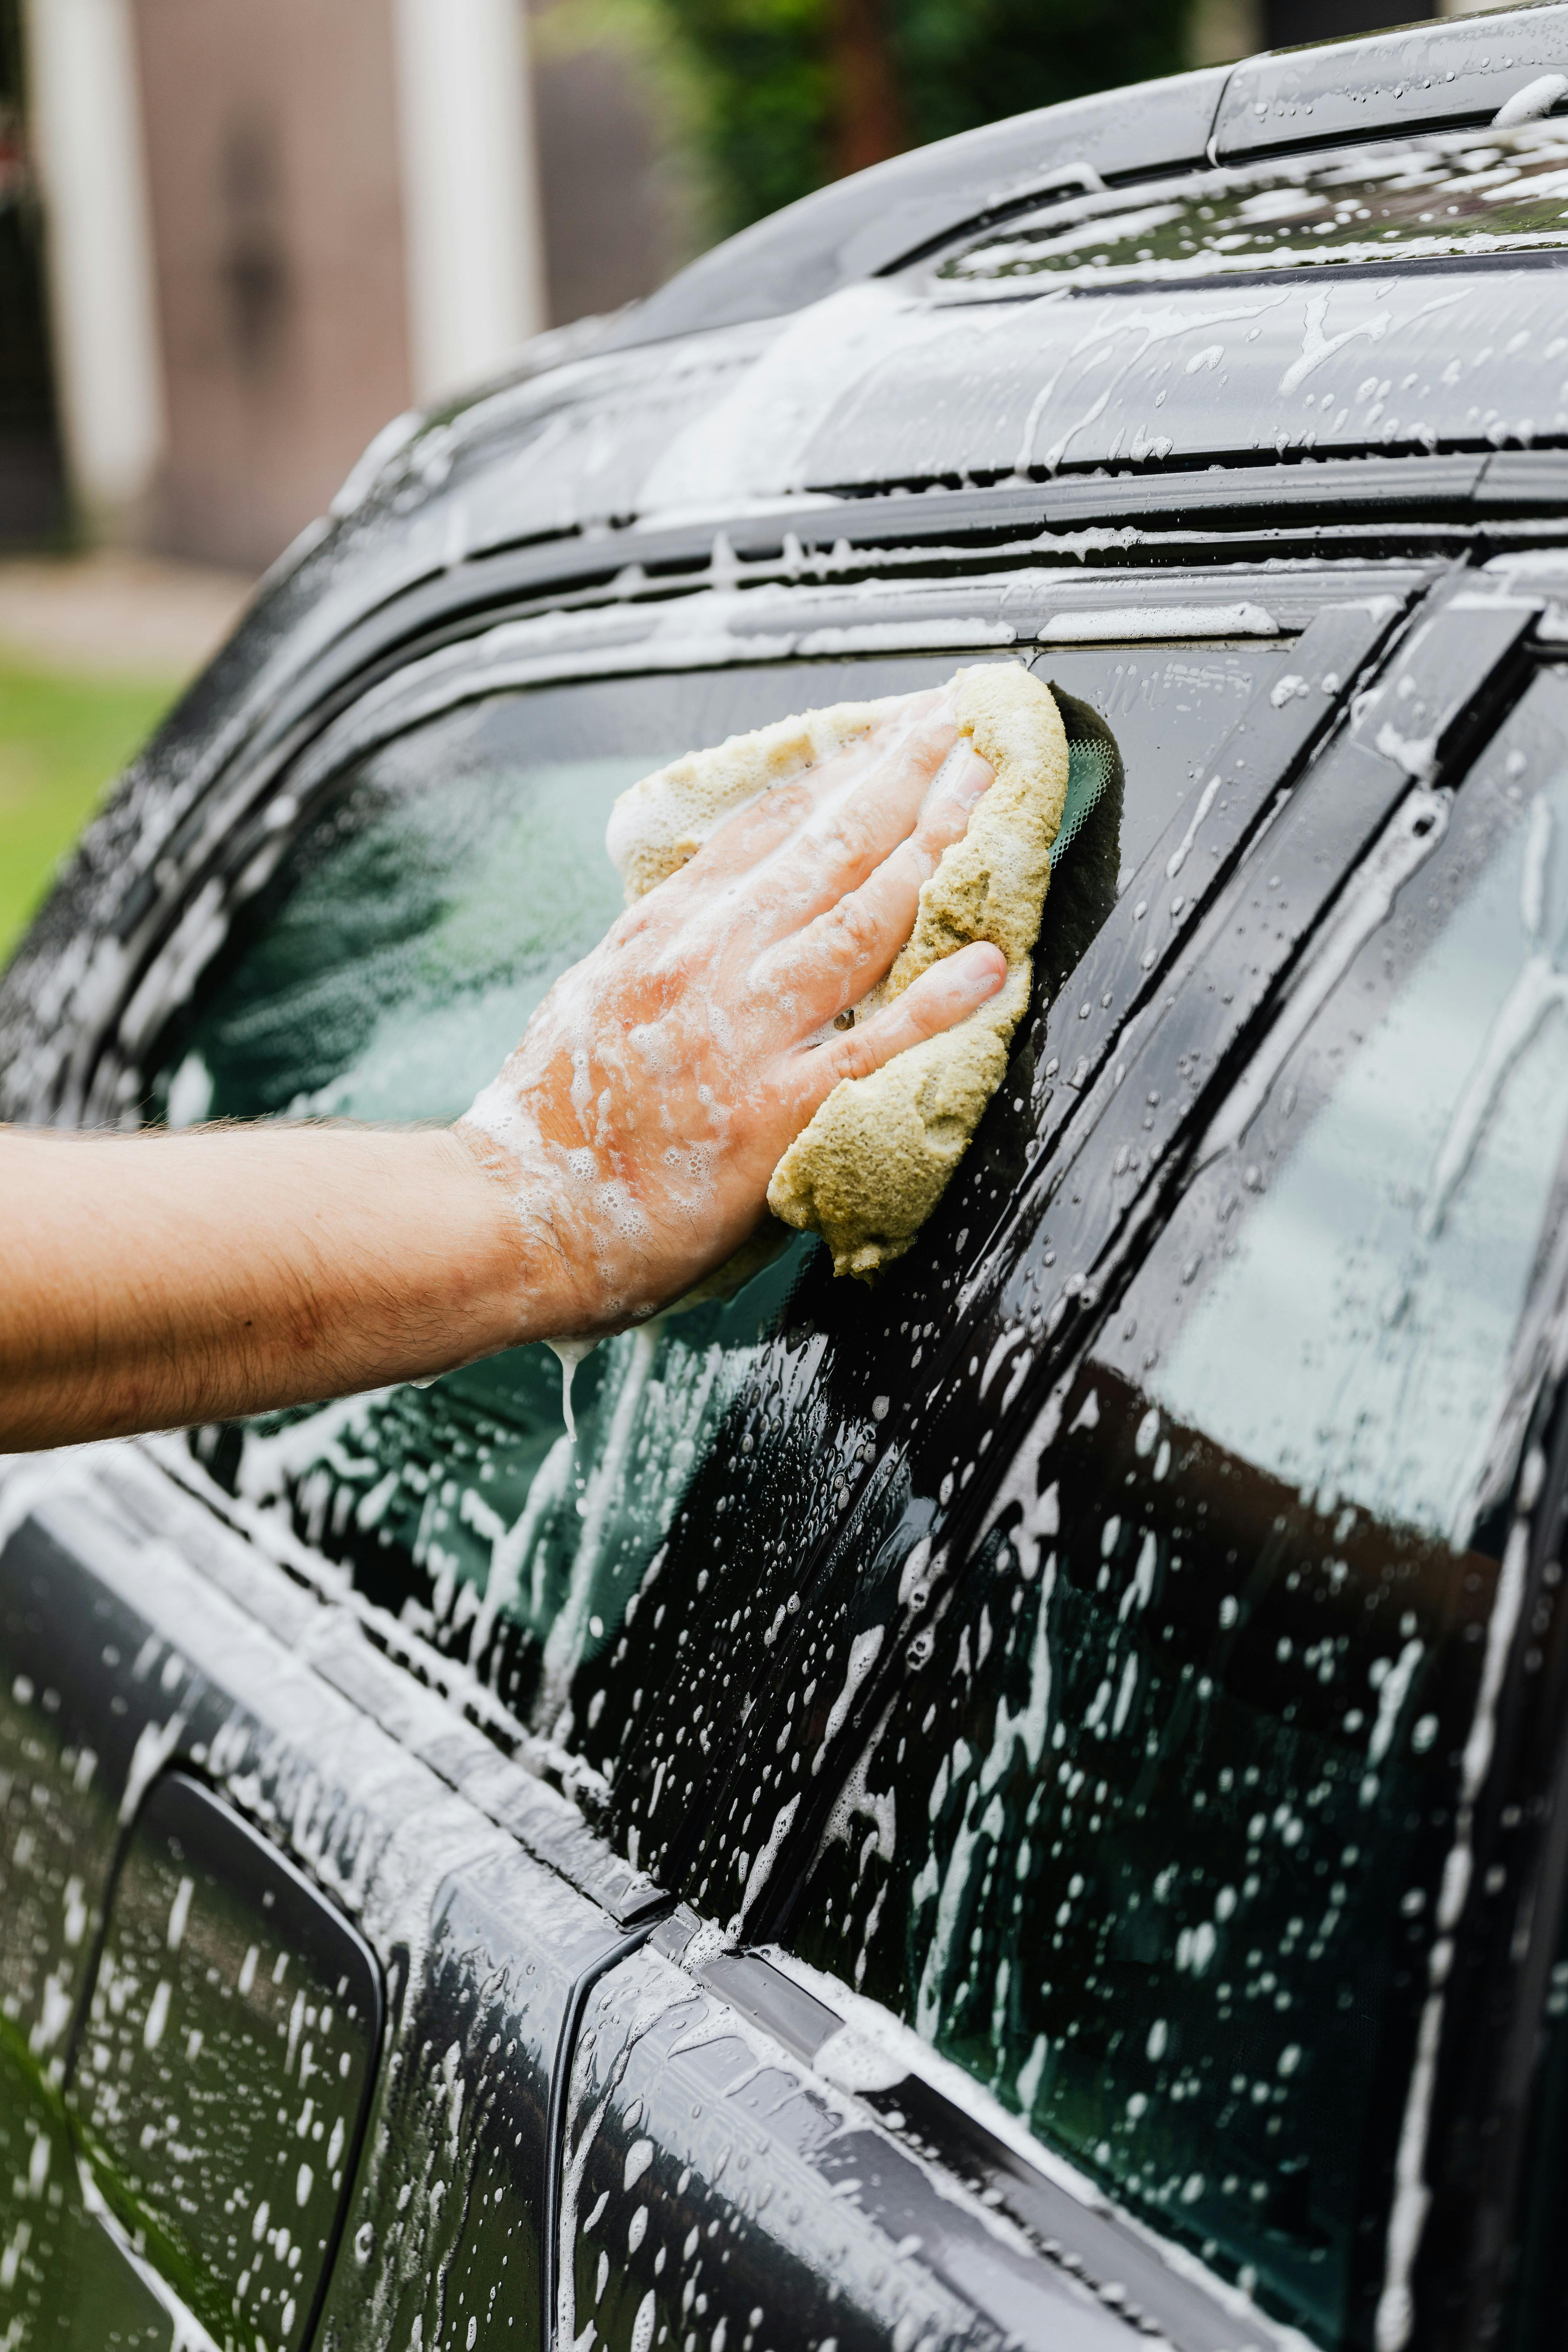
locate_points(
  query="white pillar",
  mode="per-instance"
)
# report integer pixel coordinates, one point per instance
(470, 200)
(86, 122)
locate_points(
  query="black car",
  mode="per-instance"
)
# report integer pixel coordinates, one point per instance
(1028, 1805)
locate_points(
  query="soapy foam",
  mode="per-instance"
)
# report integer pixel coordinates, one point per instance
(569, 1354)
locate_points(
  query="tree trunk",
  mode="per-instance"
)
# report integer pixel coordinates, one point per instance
(870, 119)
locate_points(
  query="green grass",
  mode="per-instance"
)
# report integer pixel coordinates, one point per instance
(62, 740)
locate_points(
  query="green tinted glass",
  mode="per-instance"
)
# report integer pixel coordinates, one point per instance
(1154, 1833)
(387, 970)
(1471, 192)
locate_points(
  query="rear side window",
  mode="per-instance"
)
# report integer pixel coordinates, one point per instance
(221, 2074)
(1154, 1835)
(1468, 192)
(386, 971)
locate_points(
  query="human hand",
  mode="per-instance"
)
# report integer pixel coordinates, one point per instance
(656, 1089)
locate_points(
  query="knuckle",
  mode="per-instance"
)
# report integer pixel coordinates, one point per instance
(857, 1055)
(786, 803)
(855, 930)
(849, 840)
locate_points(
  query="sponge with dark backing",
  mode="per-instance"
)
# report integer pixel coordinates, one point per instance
(874, 1162)
(876, 1157)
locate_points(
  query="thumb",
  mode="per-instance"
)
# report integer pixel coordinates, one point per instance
(944, 995)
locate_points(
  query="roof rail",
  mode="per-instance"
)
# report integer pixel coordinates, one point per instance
(861, 225)
(1456, 70)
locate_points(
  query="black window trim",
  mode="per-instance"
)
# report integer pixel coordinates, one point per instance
(1155, 2287)
(891, 523)
(1425, 504)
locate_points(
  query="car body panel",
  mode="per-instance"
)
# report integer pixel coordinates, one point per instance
(710, 2179)
(478, 1943)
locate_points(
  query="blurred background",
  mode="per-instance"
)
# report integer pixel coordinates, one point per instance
(237, 236)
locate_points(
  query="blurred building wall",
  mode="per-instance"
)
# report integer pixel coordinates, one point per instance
(271, 224)
(274, 191)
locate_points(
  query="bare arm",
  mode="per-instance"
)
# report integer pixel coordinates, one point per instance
(624, 1152)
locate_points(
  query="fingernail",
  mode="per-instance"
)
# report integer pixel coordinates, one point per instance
(984, 969)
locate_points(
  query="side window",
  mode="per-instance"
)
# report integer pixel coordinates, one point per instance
(1152, 1833)
(427, 902)
(805, 1491)
(223, 2067)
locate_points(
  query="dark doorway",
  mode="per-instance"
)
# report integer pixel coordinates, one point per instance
(32, 485)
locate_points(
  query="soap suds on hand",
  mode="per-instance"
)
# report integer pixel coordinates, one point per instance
(875, 1160)
(663, 821)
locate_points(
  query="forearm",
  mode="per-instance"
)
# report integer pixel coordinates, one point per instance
(154, 1281)
(624, 1152)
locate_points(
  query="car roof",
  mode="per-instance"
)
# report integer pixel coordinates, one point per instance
(577, 437)
(1436, 75)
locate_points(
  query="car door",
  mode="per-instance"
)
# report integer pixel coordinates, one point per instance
(408, 1836)
(451, 1562)
(1147, 1761)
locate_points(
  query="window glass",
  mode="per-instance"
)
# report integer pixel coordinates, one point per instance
(387, 970)
(223, 2070)
(1474, 191)
(1152, 1832)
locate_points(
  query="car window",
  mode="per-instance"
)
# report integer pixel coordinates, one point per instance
(1153, 1832)
(221, 2078)
(385, 971)
(1468, 192)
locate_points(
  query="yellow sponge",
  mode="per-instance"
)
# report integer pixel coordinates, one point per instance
(875, 1159)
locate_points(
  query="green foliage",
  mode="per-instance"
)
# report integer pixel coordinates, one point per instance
(62, 740)
(767, 116)
(772, 94)
(965, 62)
